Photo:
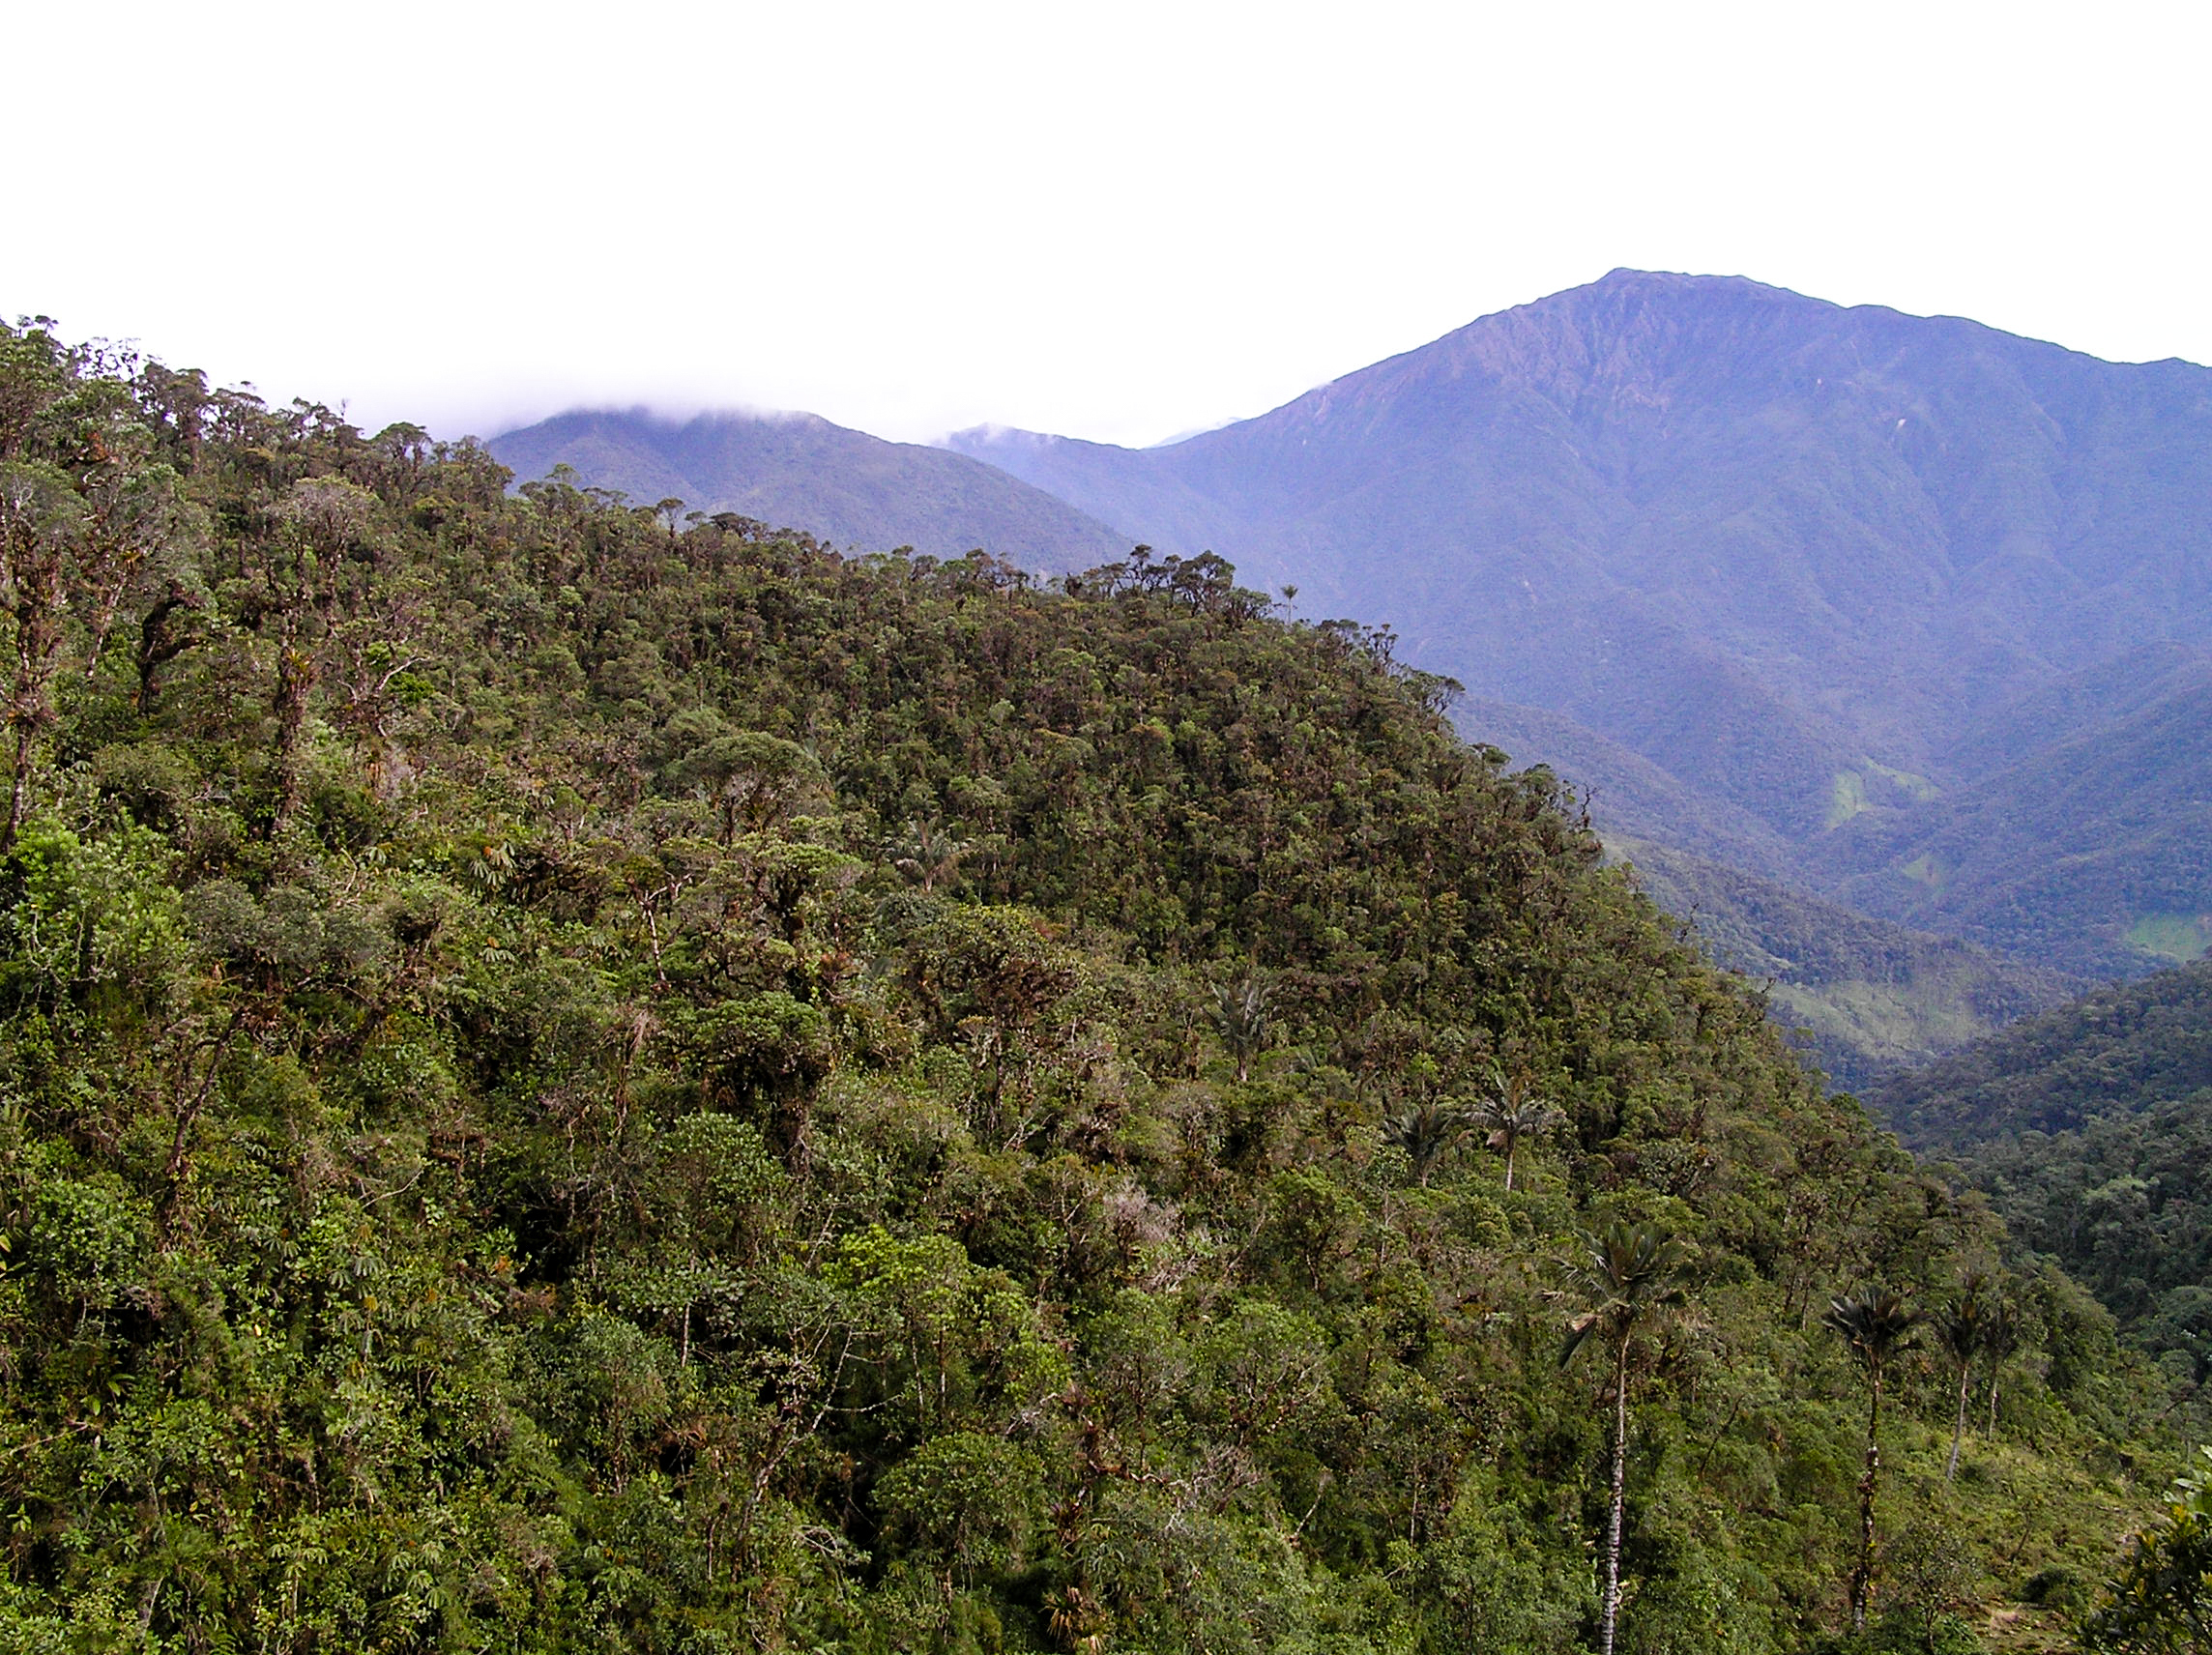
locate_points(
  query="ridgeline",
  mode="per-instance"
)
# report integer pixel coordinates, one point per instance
(568, 1081)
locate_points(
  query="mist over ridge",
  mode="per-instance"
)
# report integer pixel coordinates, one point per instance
(783, 467)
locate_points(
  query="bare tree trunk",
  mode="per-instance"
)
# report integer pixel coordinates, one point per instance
(1959, 1427)
(19, 786)
(1862, 1577)
(30, 708)
(34, 534)
(159, 645)
(1612, 1612)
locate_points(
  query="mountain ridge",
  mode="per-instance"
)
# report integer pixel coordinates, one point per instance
(1819, 592)
(801, 470)
(1782, 550)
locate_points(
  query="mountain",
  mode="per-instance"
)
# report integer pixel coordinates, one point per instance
(1779, 550)
(577, 1084)
(1630, 795)
(2078, 704)
(849, 488)
(2094, 847)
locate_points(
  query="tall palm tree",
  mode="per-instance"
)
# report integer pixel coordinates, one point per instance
(1877, 1325)
(1631, 1279)
(928, 853)
(1964, 1330)
(1424, 1130)
(1509, 1115)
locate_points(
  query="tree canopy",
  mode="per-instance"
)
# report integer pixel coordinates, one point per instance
(569, 1079)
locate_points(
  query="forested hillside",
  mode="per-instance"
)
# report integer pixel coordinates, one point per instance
(1868, 996)
(574, 1082)
(1761, 560)
(2116, 1052)
(2114, 823)
(2090, 1129)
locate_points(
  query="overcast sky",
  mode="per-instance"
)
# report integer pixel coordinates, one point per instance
(1121, 221)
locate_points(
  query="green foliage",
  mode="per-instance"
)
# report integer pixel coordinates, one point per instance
(568, 1081)
(2161, 1602)
(2090, 1131)
(2116, 1052)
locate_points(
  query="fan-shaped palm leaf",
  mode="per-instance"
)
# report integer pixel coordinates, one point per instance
(1630, 1279)
(1510, 1116)
(1424, 1132)
(1879, 1325)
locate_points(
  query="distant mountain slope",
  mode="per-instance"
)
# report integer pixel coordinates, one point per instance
(1110, 483)
(1869, 996)
(848, 488)
(1780, 549)
(2090, 1131)
(2078, 703)
(2095, 849)
(2119, 1051)
(1633, 796)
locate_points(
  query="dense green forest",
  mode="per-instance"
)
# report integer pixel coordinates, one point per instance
(2114, 1053)
(573, 1077)
(2090, 1130)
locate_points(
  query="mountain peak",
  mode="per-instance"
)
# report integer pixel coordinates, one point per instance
(1628, 278)
(1789, 552)
(1625, 332)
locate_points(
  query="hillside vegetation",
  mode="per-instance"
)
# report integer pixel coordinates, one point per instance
(2116, 1052)
(1867, 998)
(2090, 1131)
(1759, 560)
(574, 1082)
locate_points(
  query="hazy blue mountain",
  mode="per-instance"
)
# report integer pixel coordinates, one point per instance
(1821, 567)
(1128, 483)
(1631, 796)
(2094, 850)
(844, 486)
(2078, 703)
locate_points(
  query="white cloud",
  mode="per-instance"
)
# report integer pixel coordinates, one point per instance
(1116, 221)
